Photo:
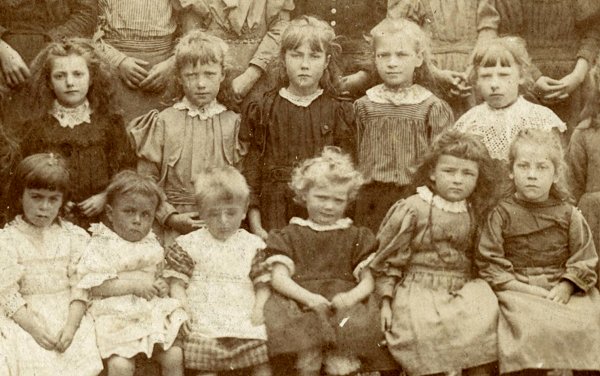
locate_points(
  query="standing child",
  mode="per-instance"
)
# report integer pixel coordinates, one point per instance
(73, 114)
(197, 132)
(294, 123)
(437, 316)
(43, 318)
(122, 265)
(500, 71)
(210, 271)
(323, 310)
(537, 253)
(396, 120)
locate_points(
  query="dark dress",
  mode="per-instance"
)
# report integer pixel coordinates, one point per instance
(94, 152)
(541, 244)
(325, 262)
(281, 135)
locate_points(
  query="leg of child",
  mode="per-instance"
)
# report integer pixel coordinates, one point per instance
(309, 362)
(119, 366)
(171, 361)
(262, 370)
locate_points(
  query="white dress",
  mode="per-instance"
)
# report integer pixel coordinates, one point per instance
(127, 325)
(499, 127)
(37, 269)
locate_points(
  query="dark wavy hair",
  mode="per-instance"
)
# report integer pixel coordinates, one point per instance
(464, 146)
(101, 91)
(38, 171)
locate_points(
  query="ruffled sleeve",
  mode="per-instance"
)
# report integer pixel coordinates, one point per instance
(278, 251)
(79, 239)
(581, 265)
(179, 264)
(395, 235)
(11, 273)
(493, 266)
(148, 133)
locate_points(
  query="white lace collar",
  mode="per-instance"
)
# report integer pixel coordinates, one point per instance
(301, 101)
(439, 202)
(70, 117)
(101, 230)
(204, 112)
(25, 226)
(411, 95)
(340, 224)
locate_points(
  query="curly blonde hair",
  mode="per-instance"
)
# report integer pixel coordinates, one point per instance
(331, 167)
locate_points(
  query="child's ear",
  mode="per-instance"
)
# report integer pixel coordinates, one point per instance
(109, 212)
(432, 176)
(327, 61)
(419, 57)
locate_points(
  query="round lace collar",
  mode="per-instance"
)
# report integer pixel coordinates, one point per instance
(70, 117)
(340, 224)
(101, 230)
(411, 95)
(204, 112)
(20, 223)
(301, 101)
(439, 202)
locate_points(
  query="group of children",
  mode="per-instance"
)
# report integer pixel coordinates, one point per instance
(359, 237)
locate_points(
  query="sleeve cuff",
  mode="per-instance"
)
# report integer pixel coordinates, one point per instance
(94, 280)
(80, 294)
(169, 273)
(583, 283)
(12, 303)
(164, 211)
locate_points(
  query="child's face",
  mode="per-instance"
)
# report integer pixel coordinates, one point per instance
(533, 173)
(41, 206)
(326, 203)
(454, 178)
(201, 82)
(304, 68)
(223, 218)
(499, 86)
(131, 215)
(396, 61)
(70, 80)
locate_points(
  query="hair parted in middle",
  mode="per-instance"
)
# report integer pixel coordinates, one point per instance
(331, 167)
(464, 146)
(129, 181)
(220, 184)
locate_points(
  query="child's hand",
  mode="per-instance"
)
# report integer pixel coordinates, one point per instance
(162, 287)
(257, 317)
(14, 68)
(562, 292)
(549, 90)
(184, 222)
(133, 72)
(317, 300)
(353, 83)
(43, 338)
(158, 76)
(145, 289)
(455, 82)
(65, 338)
(343, 301)
(386, 317)
(259, 231)
(186, 328)
(94, 205)
(242, 84)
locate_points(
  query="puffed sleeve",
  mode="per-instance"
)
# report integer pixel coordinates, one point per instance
(80, 22)
(487, 15)
(393, 252)
(252, 133)
(440, 117)
(577, 161)
(277, 15)
(345, 130)
(79, 239)
(277, 251)
(95, 266)
(581, 266)
(493, 266)
(179, 263)
(11, 273)
(363, 252)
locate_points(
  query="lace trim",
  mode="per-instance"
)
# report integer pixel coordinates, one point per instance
(414, 94)
(101, 230)
(301, 101)
(499, 127)
(439, 202)
(70, 117)
(340, 224)
(204, 113)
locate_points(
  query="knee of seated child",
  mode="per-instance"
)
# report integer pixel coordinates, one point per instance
(170, 358)
(338, 363)
(120, 366)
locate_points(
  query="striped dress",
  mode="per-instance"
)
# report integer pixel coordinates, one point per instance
(394, 130)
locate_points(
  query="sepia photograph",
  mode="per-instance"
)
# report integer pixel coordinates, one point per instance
(299, 187)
